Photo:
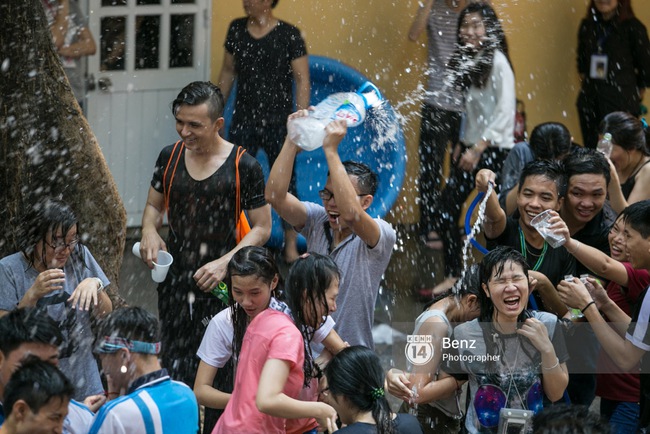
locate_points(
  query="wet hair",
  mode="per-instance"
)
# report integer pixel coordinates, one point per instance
(626, 130)
(307, 282)
(356, 374)
(26, 326)
(248, 261)
(200, 92)
(494, 263)
(624, 11)
(36, 382)
(637, 216)
(569, 419)
(550, 141)
(44, 218)
(367, 180)
(477, 73)
(550, 169)
(586, 161)
(134, 323)
(468, 284)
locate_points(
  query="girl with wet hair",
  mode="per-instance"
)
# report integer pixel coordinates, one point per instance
(253, 280)
(355, 388)
(312, 287)
(481, 68)
(438, 408)
(55, 271)
(628, 161)
(512, 357)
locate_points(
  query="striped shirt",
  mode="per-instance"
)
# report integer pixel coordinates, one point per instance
(158, 406)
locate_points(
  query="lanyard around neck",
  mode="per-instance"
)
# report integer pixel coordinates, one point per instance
(522, 242)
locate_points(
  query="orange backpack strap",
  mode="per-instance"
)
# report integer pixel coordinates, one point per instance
(240, 152)
(167, 190)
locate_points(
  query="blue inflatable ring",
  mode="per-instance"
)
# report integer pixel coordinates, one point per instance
(384, 153)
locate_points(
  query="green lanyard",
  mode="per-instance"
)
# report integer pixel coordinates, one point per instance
(522, 241)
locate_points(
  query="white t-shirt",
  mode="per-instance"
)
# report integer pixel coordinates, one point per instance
(216, 346)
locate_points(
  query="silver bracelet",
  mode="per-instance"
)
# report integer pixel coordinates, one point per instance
(557, 363)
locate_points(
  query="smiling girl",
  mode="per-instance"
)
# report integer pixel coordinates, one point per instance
(511, 356)
(253, 279)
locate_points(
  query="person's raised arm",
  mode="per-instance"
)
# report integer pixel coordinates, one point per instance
(300, 68)
(271, 400)
(152, 220)
(352, 210)
(495, 218)
(511, 199)
(420, 20)
(206, 394)
(625, 354)
(227, 75)
(289, 207)
(596, 261)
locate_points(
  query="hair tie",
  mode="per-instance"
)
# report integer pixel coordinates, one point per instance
(644, 123)
(377, 393)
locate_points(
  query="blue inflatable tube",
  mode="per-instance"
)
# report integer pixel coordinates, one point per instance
(385, 153)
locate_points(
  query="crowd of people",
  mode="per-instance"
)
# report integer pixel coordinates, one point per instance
(532, 333)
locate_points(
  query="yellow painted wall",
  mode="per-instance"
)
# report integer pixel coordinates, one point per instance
(371, 36)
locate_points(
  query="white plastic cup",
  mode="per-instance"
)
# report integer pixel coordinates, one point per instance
(136, 250)
(161, 267)
(540, 222)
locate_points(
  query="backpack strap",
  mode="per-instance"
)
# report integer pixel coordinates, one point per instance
(240, 152)
(167, 190)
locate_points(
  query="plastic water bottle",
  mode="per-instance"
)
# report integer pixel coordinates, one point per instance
(605, 145)
(221, 292)
(309, 132)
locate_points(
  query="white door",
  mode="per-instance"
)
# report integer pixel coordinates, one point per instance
(147, 50)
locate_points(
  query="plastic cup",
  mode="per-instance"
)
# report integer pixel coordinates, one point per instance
(161, 267)
(541, 223)
(136, 250)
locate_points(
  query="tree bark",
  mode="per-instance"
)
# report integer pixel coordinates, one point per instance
(47, 148)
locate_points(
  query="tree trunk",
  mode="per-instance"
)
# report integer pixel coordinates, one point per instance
(47, 148)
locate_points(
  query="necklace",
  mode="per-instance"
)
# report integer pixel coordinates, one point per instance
(510, 368)
(524, 250)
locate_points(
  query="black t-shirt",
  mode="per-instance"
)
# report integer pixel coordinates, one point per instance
(627, 48)
(202, 213)
(594, 234)
(264, 74)
(403, 423)
(555, 264)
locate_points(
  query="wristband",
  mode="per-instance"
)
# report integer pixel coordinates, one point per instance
(587, 306)
(576, 249)
(100, 288)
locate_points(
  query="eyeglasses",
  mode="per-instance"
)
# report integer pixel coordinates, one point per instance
(326, 195)
(60, 245)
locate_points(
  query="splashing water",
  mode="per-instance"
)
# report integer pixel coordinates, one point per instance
(472, 234)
